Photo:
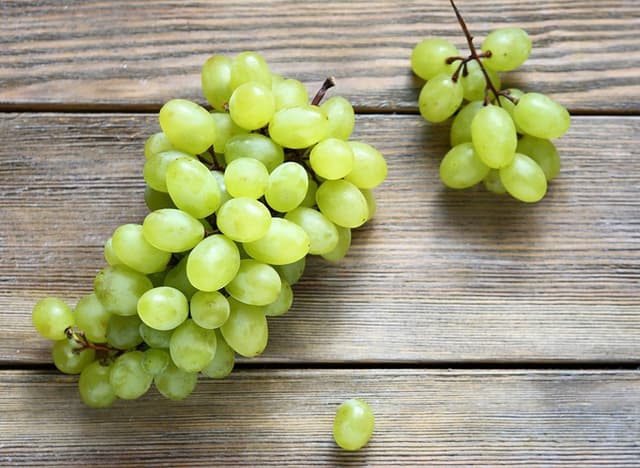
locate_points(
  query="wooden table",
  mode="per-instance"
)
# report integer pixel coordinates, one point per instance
(481, 330)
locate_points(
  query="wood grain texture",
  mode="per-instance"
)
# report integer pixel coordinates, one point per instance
(284, 418)
(439, 276)
(120, 54)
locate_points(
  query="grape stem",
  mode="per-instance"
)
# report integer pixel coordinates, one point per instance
(84, 343)
(328, 84)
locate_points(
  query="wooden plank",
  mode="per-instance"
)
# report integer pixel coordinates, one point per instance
(284, 418)
(439, 275)
(123, 53)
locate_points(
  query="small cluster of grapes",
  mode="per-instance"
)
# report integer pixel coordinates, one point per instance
(499, 137)
(238, 198)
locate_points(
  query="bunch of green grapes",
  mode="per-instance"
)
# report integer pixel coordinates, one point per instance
(238, 198)
(499, 137)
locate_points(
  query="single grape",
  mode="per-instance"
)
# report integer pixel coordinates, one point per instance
(510, 48)
(246, 329)
(174, 383)
(226, 129)
(156, 143)
(243, 219)
(493, 183)
(222, 363)
(172, 230)
(461, 125)
(252, 105)
(155, 361)
(299, 127)
(292, 272)
(92, 318)
(192, 347)
(494, 136)
(109, 255)
(509, 105)
(130, 245)
(474, 82)
(188, 126)
(255, 283)
(462, 168)
(369, 166)
(177, 278)
(540, 116)
(340, 117)
(51, 317)
(429, 58)
(249, 66)
(216, 81)
(154, 338)
(542, 152)
(156, 200)
(440, 97)
(323, 234)
(163, 308)
(246, 177)
(254, 145)
(524, 179)
(353, 424)
(285, 242)
(282, 303)
(287, 186)
(372, 205)
(192, 187)
(209, 309)
(69, 359)
(289, 93)
(213, 263)
(332, 158)
(128, 378)
(123, 332)
(155, 169)
(342, 203)
(118, 289)
(309, 200)
(342, 247)
(95, 387)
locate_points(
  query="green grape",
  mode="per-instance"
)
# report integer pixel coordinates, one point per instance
(130, 245)
(493, 183)
(372, 205)
(369, 166)
(299, 127)
(69, 359)
(289, 93)
(340, 116)
(439, 98)
(94, 385)
(243, 219)
(155, 169)
(156, 143)
(155, 361)
(213, 263)
(540, 116)
(51, 317)
(252, 105)
(156, 200)
(192, 347)
(282, 303)
(177, 278)
(353, 424)
(163, 308)
(222, 363)
(123, 332)
(254, 145)
(309, 200)
(342, 203)
(157, 279)
(216, 81)
(249, 66)
(342, 247)
(287, 186)
(246, 177)
(192, 187)
(256, 283)
(109, 255)
(118, 289)
(189, 127)
(542, 152)
(209, 309)
(292, 272)
(461, 125)
(462, 168)
(128, 378)
(224, 195)
(172, 230)
(509, 106)
(245, 331)
(524, 179)
(332, 158)
(285, 242)
(474, 82)
(494, 136)
(92, 318)
(429, 58)
(226, 129)
(174, 383)
(510, 48)
(154, 338)
(323, 234)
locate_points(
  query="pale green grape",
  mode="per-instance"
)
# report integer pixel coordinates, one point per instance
(369, 166)
(474, 82)
(174, 383)
(157, 279)
(222, 363)
(192, 187)
(323, 234)
(209, 309)
(342, 247)
(494, 136)
(156, 143)
(215, 79)
(540, 116)
(123, 332)
(342, 203)
(252, 105)
(172, 230)
(213, 263)
(69, 359)
(289, 93)
(246, 329)
(285, 242)
(51, 317)
(94, 385)
(282, 303)
(287, 186)
(256, 283)
(156, 200)
(298, 127)
(340, 116)
(509, 106)
(310, 197)
(155, 169)
(462, 168)
(109, 255)
(243, 219)
(428, 57)
(246, 177)
(292, 272)
(188, 126)
(118, 288)
(461, 125)
(524, 179)
(155, 361)
(332, 158)
(163, 308)
(372, 205)
(439, 98)
(92, 318)
(154, 338)
(192, 347)
(493, 183)
(249, 66)
(226, 129)
(510, 48)
(128, 378)
(254, 145)
(130, 245)
(542, 152)
(176, 278)
(353, 424)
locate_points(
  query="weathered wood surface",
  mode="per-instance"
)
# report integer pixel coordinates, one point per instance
(439, 276)
(123, 54)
